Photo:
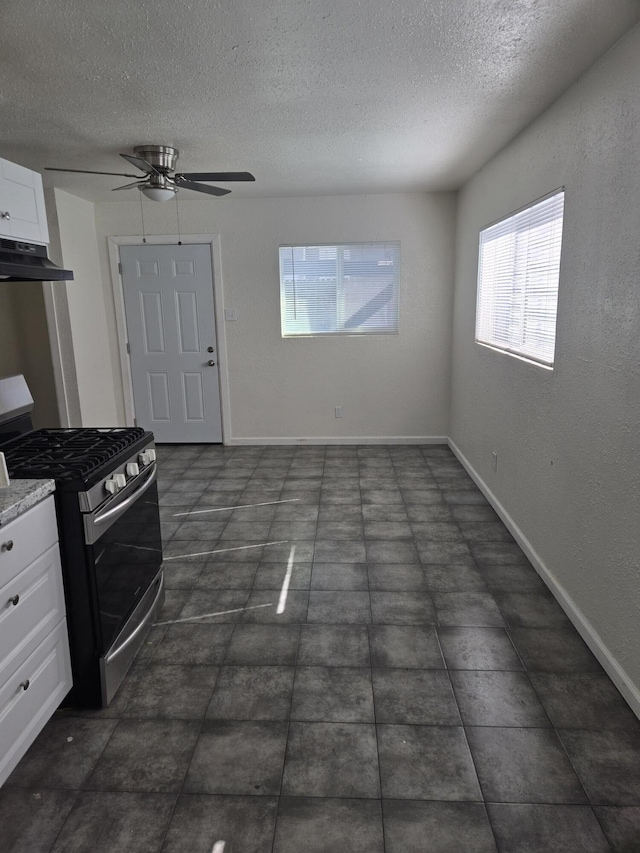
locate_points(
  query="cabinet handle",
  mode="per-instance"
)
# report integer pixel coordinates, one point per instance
(14, 600)
(7, 546)
(25, 684)
(5, 215)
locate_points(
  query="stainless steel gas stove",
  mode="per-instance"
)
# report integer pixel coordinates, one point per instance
(108, 519)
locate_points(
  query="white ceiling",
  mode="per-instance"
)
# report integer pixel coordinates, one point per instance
(315, 97)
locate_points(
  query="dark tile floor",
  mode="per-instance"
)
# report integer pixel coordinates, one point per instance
(416, 688)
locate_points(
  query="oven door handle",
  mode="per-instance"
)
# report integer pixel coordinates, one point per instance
(94, 526)
(145, 620)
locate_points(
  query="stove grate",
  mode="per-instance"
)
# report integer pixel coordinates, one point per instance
(67, 454)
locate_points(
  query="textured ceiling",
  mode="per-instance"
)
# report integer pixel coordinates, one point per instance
(312, 96)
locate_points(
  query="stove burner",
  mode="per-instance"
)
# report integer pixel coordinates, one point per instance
(66, 454)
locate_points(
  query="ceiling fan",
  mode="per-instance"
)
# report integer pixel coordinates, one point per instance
(158, 162)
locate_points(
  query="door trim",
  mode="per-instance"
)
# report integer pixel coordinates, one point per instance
(213, 241)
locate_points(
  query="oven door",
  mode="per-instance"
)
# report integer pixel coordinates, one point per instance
(124, 547)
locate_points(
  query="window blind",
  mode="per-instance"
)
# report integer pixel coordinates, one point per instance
(518, 274)
(349, 289)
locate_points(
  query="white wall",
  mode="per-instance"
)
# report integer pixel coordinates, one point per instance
(568, 441)
(86, 305)
(61, 355)
(390, 386)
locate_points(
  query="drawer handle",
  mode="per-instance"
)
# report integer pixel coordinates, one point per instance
(25, 684)
(14, 600)
(7, 546)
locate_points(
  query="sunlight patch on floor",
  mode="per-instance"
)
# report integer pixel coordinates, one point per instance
(227, 508)
(282, 603)
(225, 550)
(209, 615)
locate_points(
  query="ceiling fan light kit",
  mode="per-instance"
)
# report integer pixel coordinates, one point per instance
(158, 162)
(158, 193)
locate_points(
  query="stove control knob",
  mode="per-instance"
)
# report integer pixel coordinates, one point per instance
(133, 469)
(121, 480)
(111, 486)
(152, 454)
(147, 457)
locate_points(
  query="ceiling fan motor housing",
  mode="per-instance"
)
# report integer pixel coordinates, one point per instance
(163, 157)
(159, 180)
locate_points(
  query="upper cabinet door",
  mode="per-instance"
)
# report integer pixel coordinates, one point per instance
(22, 211)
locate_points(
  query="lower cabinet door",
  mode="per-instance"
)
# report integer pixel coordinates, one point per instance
(29, 697)
(31, 604)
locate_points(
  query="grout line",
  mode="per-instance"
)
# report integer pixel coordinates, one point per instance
(375, 716)
(78, 792)
(506, 628)
(564, 749)
(455, 698)
(286, 742)
(202, 722)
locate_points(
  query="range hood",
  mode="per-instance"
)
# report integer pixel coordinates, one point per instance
(28, 262)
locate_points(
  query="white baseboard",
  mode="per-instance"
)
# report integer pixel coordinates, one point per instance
(359, 439)
(616, 673)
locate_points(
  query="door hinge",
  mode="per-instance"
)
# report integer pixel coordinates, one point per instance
(128, 347)
(120, 267)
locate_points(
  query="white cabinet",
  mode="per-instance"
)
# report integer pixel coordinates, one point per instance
(22, 211)
(35, 669)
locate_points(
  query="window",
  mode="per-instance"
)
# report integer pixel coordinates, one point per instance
(347, 289)
(518, 274)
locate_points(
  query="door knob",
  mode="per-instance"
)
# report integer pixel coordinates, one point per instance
(5, 215)
(209, 349)
(211, 363)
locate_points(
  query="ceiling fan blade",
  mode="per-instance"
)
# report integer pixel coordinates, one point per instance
(199, 188)
(90, 172)
(129, 186)
(141, 164)
(217, 176)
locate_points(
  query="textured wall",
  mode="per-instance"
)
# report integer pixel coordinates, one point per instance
(389, 386)
(85, 298)
(568, 440)
(24, 345)
(31, 325)
(10, 354)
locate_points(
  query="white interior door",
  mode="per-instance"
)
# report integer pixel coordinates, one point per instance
(168, 297)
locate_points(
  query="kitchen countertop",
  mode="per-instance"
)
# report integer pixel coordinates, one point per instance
(21, 495)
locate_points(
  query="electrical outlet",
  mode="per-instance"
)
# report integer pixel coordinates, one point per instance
(494, 460)
(339, 412)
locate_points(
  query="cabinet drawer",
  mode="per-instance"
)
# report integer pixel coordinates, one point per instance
(23, 713)
(26, 538)
(31, 604)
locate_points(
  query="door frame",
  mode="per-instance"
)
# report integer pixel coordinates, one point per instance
(213, 241)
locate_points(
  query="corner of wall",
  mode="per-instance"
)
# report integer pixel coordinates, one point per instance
(584, 627)
(59, 326)
(86, 307)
